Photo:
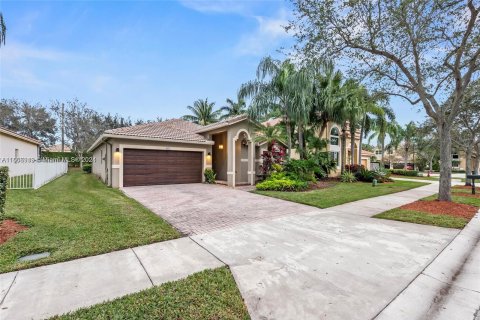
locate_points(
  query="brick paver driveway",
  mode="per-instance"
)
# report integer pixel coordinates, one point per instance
(200, 208)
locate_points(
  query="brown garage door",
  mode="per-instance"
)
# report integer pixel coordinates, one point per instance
(150, 167)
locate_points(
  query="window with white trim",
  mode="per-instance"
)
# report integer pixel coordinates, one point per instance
(334, 136)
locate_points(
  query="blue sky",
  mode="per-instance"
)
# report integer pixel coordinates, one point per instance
(141, 59)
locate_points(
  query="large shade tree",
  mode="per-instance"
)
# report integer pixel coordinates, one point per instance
(203, 112)
(423, 51)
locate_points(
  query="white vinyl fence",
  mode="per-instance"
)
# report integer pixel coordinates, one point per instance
(34, 174)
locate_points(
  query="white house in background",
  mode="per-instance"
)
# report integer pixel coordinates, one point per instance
(16, 148)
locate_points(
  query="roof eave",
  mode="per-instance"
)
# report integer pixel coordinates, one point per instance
(105, 136)
(21, 137)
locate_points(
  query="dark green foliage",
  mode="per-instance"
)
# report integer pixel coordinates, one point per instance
(209, 176)
(3, 189)
(304, 169)
(87, 168)
(402, 172)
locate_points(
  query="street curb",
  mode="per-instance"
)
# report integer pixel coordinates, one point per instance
(425, 296)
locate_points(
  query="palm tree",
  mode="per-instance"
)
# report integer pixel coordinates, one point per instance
(408, 136)
(3, 30)
(282, 92)
(202, 112)
(269, 135)
(233, 108)
(384, 125)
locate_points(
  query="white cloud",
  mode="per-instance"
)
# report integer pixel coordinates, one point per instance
(16, 52)
(268, 35)
(216, 6)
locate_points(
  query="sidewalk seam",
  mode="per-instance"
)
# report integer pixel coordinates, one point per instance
(144, 269)
(216, 257)
(9, 288)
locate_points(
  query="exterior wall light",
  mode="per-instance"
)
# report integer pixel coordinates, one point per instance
(117, 149)
(220, 146)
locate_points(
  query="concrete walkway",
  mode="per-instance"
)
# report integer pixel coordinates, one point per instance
(449, 288)
(42, 292)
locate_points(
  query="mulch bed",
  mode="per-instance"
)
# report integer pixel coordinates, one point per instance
(466, 187)
(443, 208)
(8, 229)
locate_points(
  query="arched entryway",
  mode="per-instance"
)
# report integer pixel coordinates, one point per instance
(243, 158)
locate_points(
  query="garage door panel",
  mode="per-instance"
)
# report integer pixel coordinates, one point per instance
(151, 167)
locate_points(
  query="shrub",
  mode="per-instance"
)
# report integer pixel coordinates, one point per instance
(282, 184)
(325, 164)
(210, 176)
(301, 169)
(3, 189)
(348, 176)
(364, 175)
(270, 158)
(402, 172)
(87, 168)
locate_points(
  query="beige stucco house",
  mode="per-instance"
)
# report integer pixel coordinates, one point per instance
(178, 151)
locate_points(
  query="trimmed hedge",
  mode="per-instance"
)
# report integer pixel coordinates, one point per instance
(87, 168)
(283, 184)
(402, 172)
(3, 189)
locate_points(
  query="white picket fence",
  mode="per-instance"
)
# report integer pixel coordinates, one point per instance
(34, 174)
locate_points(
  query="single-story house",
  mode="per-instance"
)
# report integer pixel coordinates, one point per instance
(17, 148)
(178, 151)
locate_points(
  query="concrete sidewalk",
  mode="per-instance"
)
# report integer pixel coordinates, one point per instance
(42, 292)
(449, 288)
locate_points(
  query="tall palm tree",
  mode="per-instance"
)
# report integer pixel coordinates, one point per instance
(383, 125)
(202, 112)
(3, 30)
(408, 135)
(278, 87)
(233, 108)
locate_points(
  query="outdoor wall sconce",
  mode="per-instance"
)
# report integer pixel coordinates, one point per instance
(117, 149)
(220, 146)
(209, 155)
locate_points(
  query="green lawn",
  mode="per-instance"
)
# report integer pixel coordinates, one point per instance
(423, 218)
(211, 294)
(415, 178)
(433, 219)
(342, 193)
(77, 216)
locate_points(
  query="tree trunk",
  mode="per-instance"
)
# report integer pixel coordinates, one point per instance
(444, 188)
(468, 163)
(352, 145)
(344, 148)
(362, 128)
(289, 136)
(300, 141)
(477, 159)
(405, 160)
(382, 161)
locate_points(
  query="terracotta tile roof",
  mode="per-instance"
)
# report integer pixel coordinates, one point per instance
(224, 123)
(19, 136)
(175, 129)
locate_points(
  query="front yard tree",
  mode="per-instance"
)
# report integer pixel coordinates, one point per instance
(426, 142)
(82, 126)
(202, 112)
(422, 51)
(3, 30)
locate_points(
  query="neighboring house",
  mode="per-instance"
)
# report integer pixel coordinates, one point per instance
(177, 151)
(58, 148)
(17, 148)
(459, 160)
